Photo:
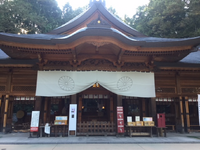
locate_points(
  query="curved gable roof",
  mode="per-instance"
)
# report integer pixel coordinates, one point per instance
(97, 6)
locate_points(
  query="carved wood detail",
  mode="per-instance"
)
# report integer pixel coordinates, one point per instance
(24, 88)
(2, 88)
(62, 65)
(96, 64)
(98, 44)
(134, 67)
(99, 22)
(191, 90)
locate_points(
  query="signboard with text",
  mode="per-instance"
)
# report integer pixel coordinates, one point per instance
(72, 117)
(35, 121)
(120, 119)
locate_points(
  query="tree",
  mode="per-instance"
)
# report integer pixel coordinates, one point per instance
(33, 16)
(161, 18)
(167, 18)
(113, 11)
(193, 17)
(68, 13)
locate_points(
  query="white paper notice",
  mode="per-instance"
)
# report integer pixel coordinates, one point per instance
(137, 118)
(129, 118)
(35, 118)
(47, 129)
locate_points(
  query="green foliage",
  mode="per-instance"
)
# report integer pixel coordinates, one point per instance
(34, 16)
(113, 11)
(168, 18)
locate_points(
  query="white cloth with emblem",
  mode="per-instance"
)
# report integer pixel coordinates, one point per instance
(64, 83)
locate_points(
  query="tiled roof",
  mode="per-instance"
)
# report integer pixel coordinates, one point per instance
(3, 55)
(192, 58)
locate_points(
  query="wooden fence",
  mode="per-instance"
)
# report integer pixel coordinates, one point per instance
(96, 128)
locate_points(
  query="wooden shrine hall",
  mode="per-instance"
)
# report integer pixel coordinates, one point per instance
(98, 42)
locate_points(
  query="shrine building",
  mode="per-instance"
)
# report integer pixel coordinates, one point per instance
(99, 63)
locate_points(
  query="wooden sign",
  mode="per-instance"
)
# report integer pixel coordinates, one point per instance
(120, 120)
(35, 121)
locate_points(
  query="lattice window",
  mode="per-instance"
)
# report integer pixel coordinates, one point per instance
(2, 88)
(194, 99)
(24, 88)
(95, 96)
(24, 98)
(164, 99)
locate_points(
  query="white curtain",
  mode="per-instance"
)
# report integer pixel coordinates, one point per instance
(64, 83)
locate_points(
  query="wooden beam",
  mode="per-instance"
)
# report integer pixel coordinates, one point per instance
(120, 56)
(181, 112)
(187, 114)
(45, 109)
(119, 100)
(74, 55)
(0, 100)
(143, 108)
(9, 82)
(153, 109)
(5, 113)
(178, 85)
(38, 103)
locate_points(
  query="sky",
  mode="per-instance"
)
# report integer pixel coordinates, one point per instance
(122, 7)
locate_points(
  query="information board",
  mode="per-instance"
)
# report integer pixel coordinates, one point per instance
(72, 117)
(120, 119)
(35, 117)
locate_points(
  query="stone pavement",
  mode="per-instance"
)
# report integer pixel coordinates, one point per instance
(23, 138)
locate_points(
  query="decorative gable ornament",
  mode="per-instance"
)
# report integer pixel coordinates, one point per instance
(97, 1)
(99, 22)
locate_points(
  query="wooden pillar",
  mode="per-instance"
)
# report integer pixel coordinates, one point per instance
(153, 109)
(178, 85)
(0, 100)
(143, 108)
(111, 109)
(187, 114)
(10, 107)
(181, 112)
(38, 103)
(45, 110)
(119, 100)
(5, 113)
(73, 99)
(153, 112)
(80, 109)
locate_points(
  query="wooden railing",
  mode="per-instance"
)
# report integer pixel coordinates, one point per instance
(96, 128)
(56, 130)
